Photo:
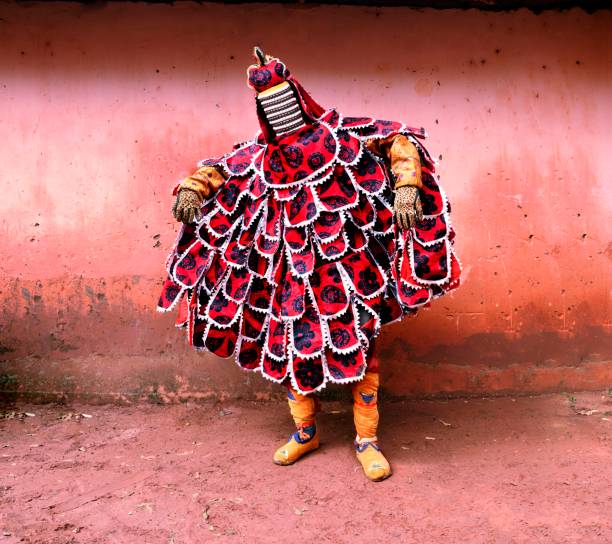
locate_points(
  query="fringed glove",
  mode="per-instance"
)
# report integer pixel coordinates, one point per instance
(187, 206)
(193, 190)
(403, 158)
(407, 206)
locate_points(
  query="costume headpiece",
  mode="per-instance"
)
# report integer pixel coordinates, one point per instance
(283, 106)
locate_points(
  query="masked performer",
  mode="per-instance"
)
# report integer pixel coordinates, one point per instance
(298, 245)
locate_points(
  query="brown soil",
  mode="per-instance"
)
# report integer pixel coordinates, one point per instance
(498, 470)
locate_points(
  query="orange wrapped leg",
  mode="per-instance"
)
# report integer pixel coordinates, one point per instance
(365, 411)
(306, 438)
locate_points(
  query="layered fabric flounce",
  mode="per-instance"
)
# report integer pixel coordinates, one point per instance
(296, 262)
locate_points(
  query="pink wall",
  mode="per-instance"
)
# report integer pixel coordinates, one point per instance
(104, 108)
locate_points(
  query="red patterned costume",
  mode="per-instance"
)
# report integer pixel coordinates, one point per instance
(296, 262)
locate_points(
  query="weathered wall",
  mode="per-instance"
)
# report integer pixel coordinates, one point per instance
(103, 108)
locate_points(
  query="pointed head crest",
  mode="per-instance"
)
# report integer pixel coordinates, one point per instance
(267, 72)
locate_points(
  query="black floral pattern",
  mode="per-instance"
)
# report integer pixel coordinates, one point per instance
(411, 293)
(386, 312)
(285, 294)
(311, 210)
(312, 315)
(248, 356)
(334, 274)
(277, 349)
(356, 120)
(298, 304)
(228, 285)
(300, 267)
(333, 295)
(367, 165)
(297, 203)
(421, 264)
(260, 78)
(171, 293)
(229, 194)
(336, 372)
(346, 154)
(261, 302)
(221, 228)
(348, 359)
(238, 255)
(372, 185)
(275, 161)
(278, 367)
(336, 202)
(333, 118)
(387, 127)
(281, 69)
(429, 182)
(214, 343)
(368, 282)
(310, 136)
(443, 264)
(258, 187)
(328, 219)
(237, 167)
(332, 250)
(309, 374)
(241, 291)
(203, 252)
(428, 202)
(187, 262)
(295, 244)
(218, 303)
(303, 335)
(427, 223)
(299, 175)
(330, 143)
(340, 338)
(251, 330)
(316, 160)
(267, 244)
(292, 154)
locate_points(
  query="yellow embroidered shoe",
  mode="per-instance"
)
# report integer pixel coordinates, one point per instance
(374, 464)
(302, 441)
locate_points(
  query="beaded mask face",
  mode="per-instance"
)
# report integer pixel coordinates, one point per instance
(281, 109)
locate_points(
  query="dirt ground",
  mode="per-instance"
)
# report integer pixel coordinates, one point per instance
(499, 470)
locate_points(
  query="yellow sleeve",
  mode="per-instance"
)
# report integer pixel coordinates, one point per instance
(402, 156)
(205, 181)
(405, 162)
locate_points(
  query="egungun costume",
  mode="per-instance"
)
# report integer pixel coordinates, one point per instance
(298, 245)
